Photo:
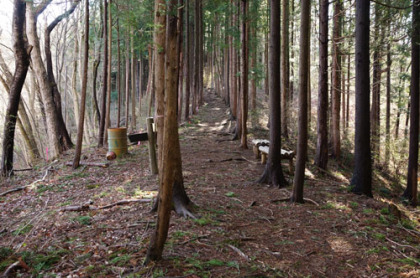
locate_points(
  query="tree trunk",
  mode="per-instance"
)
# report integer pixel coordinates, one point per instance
(78, 151)
(321, 157)
(101, 135)
(273, 173)
(133, 85)
(108, 123)
(285, 71)
(65, 139)
(20, 48)
(388, 106)
(362, 175)
(171, 154)
(187, 60)
(336, 79)
(302, 145)
(118, 74)
(181, 71)
(411, 189)
(160, 48)
(244, 73)
(55, 148)
(127, 80)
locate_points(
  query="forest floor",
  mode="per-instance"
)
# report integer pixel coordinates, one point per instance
(243, 229)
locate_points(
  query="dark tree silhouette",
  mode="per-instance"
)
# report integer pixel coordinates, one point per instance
(362, 175)
(273, 173)
(411, 189)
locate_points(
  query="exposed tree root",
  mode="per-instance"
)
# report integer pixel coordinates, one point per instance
(8, 272)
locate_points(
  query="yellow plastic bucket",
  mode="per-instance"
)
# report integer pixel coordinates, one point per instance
(117, 140)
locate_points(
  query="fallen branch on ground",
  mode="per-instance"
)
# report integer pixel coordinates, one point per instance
(95, 164)
(240, 253)
(288, 199)
(402, 245)
(25, 186)
(9, 270)
(87, 206)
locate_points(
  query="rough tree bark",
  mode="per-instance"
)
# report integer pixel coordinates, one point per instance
(244, 73)
(55, 148)
(411, 189)
(101, 135)
(285, 70)
(321, 157)
(21, 50)
(362, 174)
(302, 145)
(78, 151)
(172, 166)
(65, 139)
(336, 80)
(187, 61)
(273, 173)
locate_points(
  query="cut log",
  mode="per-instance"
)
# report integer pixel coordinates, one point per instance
(284, 154)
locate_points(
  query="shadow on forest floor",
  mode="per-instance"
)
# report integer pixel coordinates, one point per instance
(244, 230)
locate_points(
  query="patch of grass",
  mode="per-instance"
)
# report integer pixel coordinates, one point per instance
(407, 224)
(377, 250)
(385, 211)
(230, 194)
(383, 220)
(203, 221)
(83, 220)
(328, 206)
(215, 262)
(233, 264)
(410, 261)
(121, 260)
(79, 174)
(368, 211)
(41, 262)
(354, 205)
(23, 229)
(379, 236)
(92, 186)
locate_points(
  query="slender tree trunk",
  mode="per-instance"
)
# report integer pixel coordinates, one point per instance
(336, 79)
(101, 135)
(108, 123)
(160, 48)
(55, 148)
(80, 126)
(133, 84)
(285, 71)
(388, 106)
(321, 157)
(304, 46)
(118, 74)
(187, 60)
(254, 67)
(127, 80)
(362, 175)
(273, 173)
(411, 189)
(65, 139)
(244, 73)
(20, 48)
(180, 31)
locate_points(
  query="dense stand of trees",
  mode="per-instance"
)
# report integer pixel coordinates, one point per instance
(155, 58)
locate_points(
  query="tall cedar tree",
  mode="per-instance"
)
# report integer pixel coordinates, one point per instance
(411, 189)
(187, 60)
(171, 148)
(159, 42)
(304, 44)
(285, 68)
(321, 157)
(20, 48)
(336, 79)
(362, 175)
(101, 135)
(273, 173)
(244, 73)
(81, 122)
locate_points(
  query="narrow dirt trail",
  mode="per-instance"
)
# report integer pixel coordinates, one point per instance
(243, 230)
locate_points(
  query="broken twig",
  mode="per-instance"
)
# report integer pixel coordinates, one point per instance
(240, 253)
